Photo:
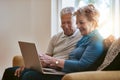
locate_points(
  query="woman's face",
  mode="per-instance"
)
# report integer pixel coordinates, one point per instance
(84, 25)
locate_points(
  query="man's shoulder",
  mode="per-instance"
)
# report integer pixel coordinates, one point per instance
(58, 34)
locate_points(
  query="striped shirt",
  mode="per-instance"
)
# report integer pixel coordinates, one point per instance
(61, 45)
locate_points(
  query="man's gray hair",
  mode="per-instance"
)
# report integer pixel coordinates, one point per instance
(67, 10)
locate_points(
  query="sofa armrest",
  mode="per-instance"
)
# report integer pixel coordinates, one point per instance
(17, 61)
(90, 75)
(93, 75)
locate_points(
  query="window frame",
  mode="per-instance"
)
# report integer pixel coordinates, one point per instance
(55, 24)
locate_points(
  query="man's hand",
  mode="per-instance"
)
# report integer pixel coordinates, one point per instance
(48, 61)
(45, 60)
(18, 71)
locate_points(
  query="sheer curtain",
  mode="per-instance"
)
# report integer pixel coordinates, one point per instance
(116, 17)
(109, 10)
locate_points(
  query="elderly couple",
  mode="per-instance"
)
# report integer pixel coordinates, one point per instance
(73, 50)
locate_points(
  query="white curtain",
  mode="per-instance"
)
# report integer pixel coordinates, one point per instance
(116, 17)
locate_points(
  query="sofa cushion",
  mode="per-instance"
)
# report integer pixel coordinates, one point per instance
(93, 75)
(107, 43)
(18, 61)
(115, 62)
(112, 57)
(114, 65)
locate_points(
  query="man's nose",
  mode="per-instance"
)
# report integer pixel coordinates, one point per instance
(66, 25)
(78, 26)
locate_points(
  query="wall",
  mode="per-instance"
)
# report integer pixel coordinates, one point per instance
(22, 20)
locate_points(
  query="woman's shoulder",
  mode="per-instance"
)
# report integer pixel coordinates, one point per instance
(97, 36)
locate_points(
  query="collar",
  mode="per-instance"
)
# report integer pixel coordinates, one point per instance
(92, 33)
(72, 36)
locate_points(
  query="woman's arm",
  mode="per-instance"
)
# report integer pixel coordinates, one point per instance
(90, 55)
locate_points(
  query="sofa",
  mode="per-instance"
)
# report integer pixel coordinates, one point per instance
(86, 75)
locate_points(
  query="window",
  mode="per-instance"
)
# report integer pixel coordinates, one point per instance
(116, 17)
(109, 14)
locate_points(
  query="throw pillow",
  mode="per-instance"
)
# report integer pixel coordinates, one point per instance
(107, 43)
(112, 53)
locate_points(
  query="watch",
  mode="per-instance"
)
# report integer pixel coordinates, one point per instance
(56, 62)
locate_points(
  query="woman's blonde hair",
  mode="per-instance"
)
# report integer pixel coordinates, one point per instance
(90, 12)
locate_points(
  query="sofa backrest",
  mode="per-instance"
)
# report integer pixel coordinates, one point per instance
(112, 59)
(107, 43)
(17, 61)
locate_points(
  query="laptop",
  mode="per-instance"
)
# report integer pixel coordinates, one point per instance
(32, 59)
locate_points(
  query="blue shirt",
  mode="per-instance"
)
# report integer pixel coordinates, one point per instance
(88, 49)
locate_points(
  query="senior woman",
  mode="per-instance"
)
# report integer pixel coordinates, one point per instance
(88, 49)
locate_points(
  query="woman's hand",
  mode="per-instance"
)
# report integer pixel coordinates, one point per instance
(57, 63)
(48, 61)
(18, 71)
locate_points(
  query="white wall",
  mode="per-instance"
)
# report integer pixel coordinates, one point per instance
(26, 20)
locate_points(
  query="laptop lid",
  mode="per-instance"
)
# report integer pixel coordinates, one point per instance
(30, 56)
(31, 59)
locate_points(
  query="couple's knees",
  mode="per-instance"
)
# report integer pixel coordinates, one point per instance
(32, 75)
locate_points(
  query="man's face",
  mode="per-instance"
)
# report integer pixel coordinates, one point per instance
(68, 24)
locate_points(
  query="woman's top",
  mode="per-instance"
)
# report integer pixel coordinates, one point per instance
(88, 49)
